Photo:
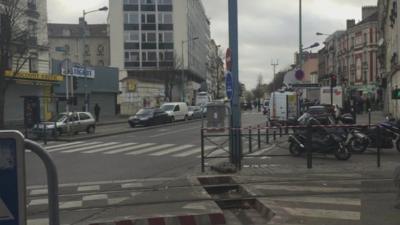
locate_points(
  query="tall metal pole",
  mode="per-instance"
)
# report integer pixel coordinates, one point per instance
(183, 74)
(300, 37)
(83, 61)
(235, 102)
(274, 65)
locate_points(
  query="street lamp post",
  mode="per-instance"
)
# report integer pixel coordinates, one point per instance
(105, 8)
(183, 97)
(300, 37)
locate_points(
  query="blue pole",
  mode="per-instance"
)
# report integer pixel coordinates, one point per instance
(235, 102)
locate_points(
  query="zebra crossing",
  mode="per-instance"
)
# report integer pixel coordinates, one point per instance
(138, 149)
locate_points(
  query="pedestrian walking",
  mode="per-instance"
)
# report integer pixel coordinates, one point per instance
(97, 112)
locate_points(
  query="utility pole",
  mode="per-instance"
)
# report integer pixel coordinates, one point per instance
(300, 37)
(274, 65)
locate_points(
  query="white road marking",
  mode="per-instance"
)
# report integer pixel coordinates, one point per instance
(43, 201)
(323, 213)
(321, 200)
(304, 188)
(262, 151)
(75, 146)
(63, 145)
(89, 147)
(194, 151)
(147, 150)
(95, 197)
(109, 148)
(130, 148)
(172, 150)
(173, 132)
(89, 188)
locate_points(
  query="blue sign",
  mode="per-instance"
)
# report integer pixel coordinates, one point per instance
(12, 179)
(229, 85)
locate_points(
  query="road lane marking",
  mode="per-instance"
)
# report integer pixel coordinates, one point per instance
(130, 148)
(152, 149)
(75, 146)
(174, 132)
(89, 147)
(320, 200)
(109, 148)
(194, 151)
(63, 145)
(172, 150)
(262, 151)
(323, 213)
(304, 188)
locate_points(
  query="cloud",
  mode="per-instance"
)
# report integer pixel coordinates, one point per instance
(69, 11)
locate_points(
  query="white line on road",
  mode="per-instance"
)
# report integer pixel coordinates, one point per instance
(130, 148)
(194, 151)
(75, 146)
(323, 213)
(63, 145)
(109, 148)
(321, 200)
(304, 188)
(262, 151)
(147, 150)
(174, 132)
(89, 147)
(172, 150)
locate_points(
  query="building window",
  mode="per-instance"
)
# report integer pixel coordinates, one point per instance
(148, 18)
(131, 56)
(132, 36)
(166, 37)
(149, 37)
(100, 50)
(87, 50)
(147, 2)
(149, 56)
(32, 29)
(131, 2)
(165, 18)
(32, 4)
(131, 18)
(164, 2)
(33, 63)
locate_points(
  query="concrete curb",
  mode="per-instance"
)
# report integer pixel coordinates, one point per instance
(205, 219)
(133, 130)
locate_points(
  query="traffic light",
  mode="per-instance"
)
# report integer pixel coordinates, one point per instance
(74, 83)
(333, 80)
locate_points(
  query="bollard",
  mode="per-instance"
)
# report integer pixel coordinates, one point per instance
(309, 147)
(250, 144)
(259, 137)
(45, 134)
(369, 117)
(202, 150)
(274, 135)
(280, 131)
(267, 135)
(378, 150)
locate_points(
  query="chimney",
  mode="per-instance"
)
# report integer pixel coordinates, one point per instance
(367, 11)
(350, 23)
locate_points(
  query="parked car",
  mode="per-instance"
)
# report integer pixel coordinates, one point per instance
(149, 116)
(176, 110)
(74, 121)
(195, 112)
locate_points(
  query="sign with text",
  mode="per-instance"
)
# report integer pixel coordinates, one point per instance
(12, 177)
(77, 71)
(229, 85)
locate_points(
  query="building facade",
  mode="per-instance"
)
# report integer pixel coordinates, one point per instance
(94, 50)
(160, 47)
(215, 72)
(31, 89)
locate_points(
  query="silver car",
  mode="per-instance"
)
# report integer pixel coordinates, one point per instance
(74, 122)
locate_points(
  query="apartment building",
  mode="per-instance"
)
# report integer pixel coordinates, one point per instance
(160, 48)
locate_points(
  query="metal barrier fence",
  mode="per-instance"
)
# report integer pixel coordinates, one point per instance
(264, 136)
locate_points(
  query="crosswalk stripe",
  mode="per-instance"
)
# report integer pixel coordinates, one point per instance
(320, 200)
(147, 150)
(74, 146)
(324, 213)
(89, 147)
(262, 151)
(304, 188)
(130, 148)
(172, 150)
(109, 148)
(63, 145)
(194, 151)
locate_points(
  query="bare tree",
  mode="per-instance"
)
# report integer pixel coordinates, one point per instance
(171, 76)
(15, 42)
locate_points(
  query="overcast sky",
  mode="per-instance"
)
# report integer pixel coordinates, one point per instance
(268, 29)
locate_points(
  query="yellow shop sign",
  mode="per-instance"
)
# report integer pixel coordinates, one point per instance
(33, 76)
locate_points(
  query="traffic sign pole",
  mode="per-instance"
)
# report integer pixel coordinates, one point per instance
(235, 101)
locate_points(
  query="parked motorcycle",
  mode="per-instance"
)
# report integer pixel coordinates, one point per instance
(324, 140)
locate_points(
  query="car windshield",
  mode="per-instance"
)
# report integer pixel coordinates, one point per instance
(166, 108)
(145, 112)
(59, 118)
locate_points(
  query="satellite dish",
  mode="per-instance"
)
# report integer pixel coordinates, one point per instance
(381, 42)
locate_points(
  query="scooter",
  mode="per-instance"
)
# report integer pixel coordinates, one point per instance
(324, 140)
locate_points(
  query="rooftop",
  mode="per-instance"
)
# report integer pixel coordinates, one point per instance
(75, 30)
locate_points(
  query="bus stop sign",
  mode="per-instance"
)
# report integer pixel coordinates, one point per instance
(12, 178)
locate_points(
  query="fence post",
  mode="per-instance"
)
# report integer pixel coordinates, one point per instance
(274, 135)
(309, 146)
(369, 117)
(267, 135)
(378, 150)
(280, 131)
(250, 141)
(45, 134)
(259, 137)
(202, 150)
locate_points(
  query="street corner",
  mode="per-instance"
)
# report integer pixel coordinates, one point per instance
(184, 213)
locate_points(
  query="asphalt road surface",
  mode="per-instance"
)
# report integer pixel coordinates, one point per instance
(161, 152)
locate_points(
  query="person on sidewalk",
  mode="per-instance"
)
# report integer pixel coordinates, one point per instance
(97, 112)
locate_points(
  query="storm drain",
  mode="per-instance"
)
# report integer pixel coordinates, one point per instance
(234, 200)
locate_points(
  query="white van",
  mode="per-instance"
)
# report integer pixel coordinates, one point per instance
(176, 110)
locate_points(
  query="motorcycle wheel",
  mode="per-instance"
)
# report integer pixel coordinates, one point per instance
(295, 149)
(342, 153)
(398, 145)
(357, 145)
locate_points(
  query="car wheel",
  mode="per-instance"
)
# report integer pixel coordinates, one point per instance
(342, 153)
(295, 149)
(186, 118)
(132, 125)
(172, 119)
(90, 130)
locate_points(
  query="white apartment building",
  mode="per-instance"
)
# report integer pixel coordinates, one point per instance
(156, 43)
